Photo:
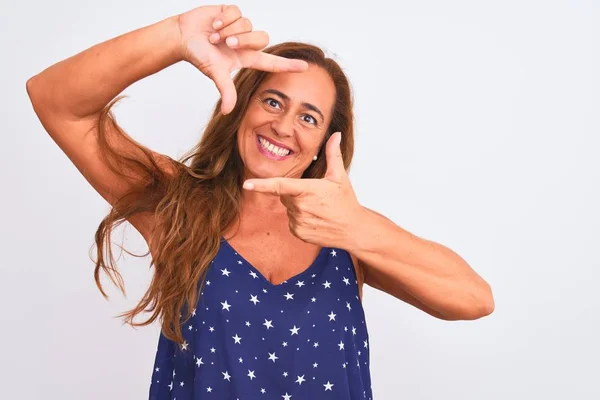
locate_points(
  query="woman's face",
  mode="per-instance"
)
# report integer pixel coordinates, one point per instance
(285, 123)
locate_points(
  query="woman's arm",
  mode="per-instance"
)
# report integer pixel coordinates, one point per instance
(420, 272)
(80, 86)
(69, 96)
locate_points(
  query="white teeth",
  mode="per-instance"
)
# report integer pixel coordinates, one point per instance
(272, 148)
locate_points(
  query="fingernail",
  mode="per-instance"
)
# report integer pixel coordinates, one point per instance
(214, 37)
(231, 41)
(248, 185)
(217, 24)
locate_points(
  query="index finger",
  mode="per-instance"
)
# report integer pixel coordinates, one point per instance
(277, 186)
(272, 63)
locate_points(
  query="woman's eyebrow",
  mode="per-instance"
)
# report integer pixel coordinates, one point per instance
(287, 98)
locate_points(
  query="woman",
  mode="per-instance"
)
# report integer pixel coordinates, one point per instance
(259, 244)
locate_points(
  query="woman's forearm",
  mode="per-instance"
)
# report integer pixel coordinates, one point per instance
(83, 84)
(399, 262)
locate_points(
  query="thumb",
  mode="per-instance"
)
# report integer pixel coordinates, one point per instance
(333, 156)
(226, 88)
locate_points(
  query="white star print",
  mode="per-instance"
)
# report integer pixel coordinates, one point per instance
(268, 324)
(269, 307)
(209, 389)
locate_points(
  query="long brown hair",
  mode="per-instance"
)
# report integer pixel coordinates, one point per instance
(195, 204)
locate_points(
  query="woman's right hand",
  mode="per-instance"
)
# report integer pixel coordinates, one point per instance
(217, 49)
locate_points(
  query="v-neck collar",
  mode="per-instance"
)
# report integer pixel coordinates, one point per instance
(316, 262)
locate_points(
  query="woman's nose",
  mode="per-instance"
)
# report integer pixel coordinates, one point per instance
(283, 125)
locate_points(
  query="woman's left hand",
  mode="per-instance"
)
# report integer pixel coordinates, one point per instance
(323, 211)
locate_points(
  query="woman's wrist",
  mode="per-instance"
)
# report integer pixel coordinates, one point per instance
(174, 32)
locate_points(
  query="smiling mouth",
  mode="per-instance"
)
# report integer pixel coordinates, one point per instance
(270, 149)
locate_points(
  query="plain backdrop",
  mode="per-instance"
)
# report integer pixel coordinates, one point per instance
(477, 127)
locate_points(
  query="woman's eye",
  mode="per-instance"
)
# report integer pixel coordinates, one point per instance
(310, 119)
(305, 117)
(272, 102)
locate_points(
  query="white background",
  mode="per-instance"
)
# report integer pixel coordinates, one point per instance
(477, 127)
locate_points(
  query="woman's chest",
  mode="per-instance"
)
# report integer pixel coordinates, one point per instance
(324, 295)
(277, 256)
